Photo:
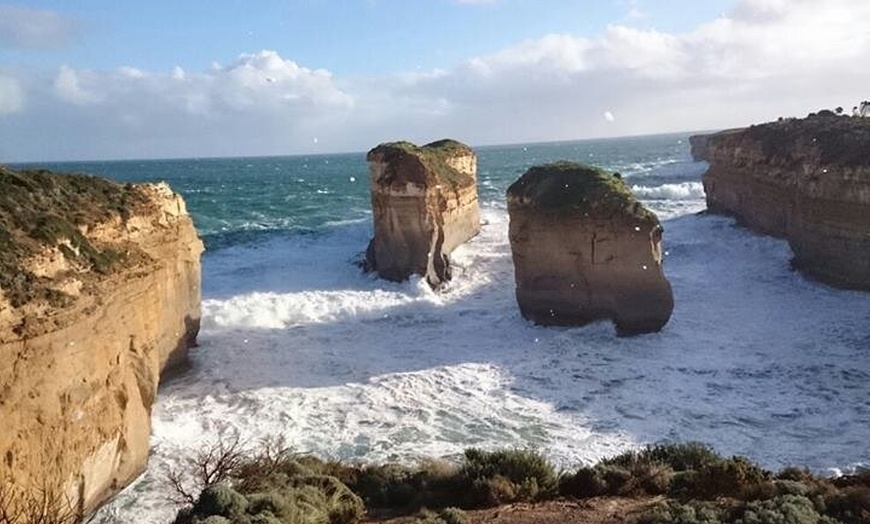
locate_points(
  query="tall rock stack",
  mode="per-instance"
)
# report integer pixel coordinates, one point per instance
(424, 202)
(806, 180)
(99, 294)
(585, 250)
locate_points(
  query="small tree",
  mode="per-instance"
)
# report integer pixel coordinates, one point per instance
(839, 110)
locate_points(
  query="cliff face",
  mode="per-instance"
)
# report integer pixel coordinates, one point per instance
(99, 293)
(424, 202)
(807, 181)
(584, 250)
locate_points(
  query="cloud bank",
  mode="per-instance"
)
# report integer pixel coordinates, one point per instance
(25, 28)
(764, 59)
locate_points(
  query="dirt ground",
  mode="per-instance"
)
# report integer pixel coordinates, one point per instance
(600, 510)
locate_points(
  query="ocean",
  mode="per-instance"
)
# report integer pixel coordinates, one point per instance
(296, 342)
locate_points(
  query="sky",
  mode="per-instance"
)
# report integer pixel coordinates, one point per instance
(102, 79)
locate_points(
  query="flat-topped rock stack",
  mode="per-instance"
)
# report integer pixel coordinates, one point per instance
(99, 294)
(424, 204)
(585, 250)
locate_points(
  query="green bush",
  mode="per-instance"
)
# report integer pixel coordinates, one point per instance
(498, 477)
(313, 499)
(689, 513)
(850, 504)
(787, 509)
(584, 483)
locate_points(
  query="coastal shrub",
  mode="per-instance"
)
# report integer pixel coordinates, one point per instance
(850, 504)
(695, 512)
(42, 504)
(497, 477)
(315, 499)
(787, 509)
(430, 484)
(733, 477)
(586, 482)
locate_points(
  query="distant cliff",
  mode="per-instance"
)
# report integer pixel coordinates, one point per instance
(99, 293)
(806, 180)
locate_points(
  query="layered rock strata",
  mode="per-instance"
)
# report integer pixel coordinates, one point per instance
(585, 250)
(807, 181)
(424, 205)
(99, 294)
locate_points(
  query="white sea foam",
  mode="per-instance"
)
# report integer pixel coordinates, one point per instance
(296, 342)
(682, 191)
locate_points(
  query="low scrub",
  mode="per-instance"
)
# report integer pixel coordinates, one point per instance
(274, 485)
(501, 477)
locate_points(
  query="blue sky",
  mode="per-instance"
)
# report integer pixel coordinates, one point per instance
(348, 37)
(103, 79)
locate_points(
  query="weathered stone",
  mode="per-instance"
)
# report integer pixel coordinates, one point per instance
(805, 180)
(99, 293)
(585, 250)
(424, 204)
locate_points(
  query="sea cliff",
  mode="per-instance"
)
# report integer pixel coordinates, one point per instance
(99, 295)
(805, 180)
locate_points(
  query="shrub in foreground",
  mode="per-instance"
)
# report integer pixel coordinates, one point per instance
(505, 476)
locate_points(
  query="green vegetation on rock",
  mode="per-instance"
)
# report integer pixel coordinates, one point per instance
(570, 187)
(433, 157)
(40, 208)
(832, 140)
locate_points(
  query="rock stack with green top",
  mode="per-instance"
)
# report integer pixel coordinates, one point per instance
(424, 204)
(585, 250)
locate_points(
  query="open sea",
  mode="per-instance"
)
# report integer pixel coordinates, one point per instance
(757, 359)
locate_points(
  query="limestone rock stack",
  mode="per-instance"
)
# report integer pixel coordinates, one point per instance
(424, 204)
(99, 294)
(806, 180)
(585, 250)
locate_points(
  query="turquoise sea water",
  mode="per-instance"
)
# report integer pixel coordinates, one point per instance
(239, 200)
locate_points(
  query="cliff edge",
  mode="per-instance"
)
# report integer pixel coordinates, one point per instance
(99, 293)
(424, 205)
(806, 180)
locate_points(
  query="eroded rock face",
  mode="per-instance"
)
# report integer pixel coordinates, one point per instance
(805, 180)
(424, 202)
(99, 294)
(585, 250)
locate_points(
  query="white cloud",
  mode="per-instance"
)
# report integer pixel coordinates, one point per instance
(757, 62)
(22, 27)
(11, 95)
(67, 86)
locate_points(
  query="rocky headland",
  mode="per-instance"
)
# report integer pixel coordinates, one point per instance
(424, 205)
(805, 180)
(585, 250)
(99, 295)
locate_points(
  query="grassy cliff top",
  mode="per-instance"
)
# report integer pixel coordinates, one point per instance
(570, 187)
(823, 138)
(39, 209)
(433, 158)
